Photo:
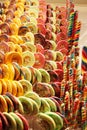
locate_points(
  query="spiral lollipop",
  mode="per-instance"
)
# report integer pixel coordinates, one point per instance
(79, 84)
(68, 66)
(69, 6)
(84, 79)
(84, 59)
(77, 33)
(67, 103)
(70, 83)
(85, 94)
(75, 110)
(67, 106)
(65, 69)
(76, 107)
(62, 92)
(70, 29)
(75, 23)
(83, 116)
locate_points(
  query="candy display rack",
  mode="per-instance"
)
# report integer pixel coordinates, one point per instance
(41, 85)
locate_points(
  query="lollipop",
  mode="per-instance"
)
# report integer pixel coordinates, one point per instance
(84, 59)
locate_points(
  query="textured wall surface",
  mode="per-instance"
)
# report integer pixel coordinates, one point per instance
(63, 1)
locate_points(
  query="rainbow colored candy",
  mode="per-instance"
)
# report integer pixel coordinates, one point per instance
(84, 59)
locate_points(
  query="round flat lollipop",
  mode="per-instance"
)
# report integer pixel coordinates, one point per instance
(62, 44)
(39, 39)
(39, 20)
(63, 29)
(5, 28)
(64, 51)
(61, 36)
(60, 74)
(39, 48)
(4, 37)
(41, 28)
(39, 60)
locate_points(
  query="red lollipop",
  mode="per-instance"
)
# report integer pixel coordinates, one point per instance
(64, 51)
(61, 36)
(41, 28)
(39, 48)
(39, 60)
(59, 65)
(63, 29)
(60, 74)
(39, 20)
(62, 44)
(63, 22)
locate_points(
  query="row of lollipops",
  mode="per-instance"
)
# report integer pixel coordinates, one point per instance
(32, 48)
(33, 55)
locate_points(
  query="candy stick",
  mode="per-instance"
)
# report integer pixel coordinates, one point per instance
(69, 7)
(67, 102)
(77, 34)
(77, 49)
(68, 65)
(70, 88)
(65, 73)
(65, 69)
(75, 23)
(75, 86)
(71, 74)
(76, 107)
(62, 92)
(70, 27)
(78, 73)
(67, 105)
(84, 60)
(72, 52)
(70, 30)
(85, 94)
(79, 84)
(73, 64)
(71, 96)
(83, 116)
(85, 78)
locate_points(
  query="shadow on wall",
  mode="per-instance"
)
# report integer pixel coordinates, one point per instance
(63, 1)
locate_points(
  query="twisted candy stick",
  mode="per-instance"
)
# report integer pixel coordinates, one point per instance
(85, 94)
(83, 116)
(67, 102)
(65, 69)
(70, 27)
(77, 34)
(62, 92)
(75, 110)
(76, 107)
(75, 24)
(84, 59)
(84, 79)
